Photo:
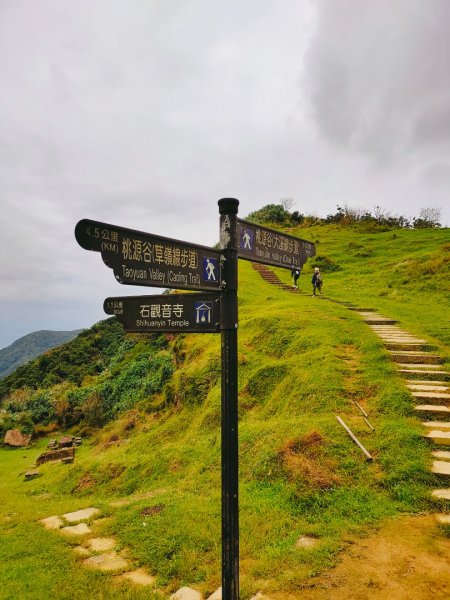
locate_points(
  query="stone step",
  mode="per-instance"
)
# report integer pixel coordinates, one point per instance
(442, 494)
(425, 387)
(186, 593)
(379, 321)
(441, 438)
(389, 328)
(443, 519)
(109, 561)
(432, 397)
(441, 425)
(422, 366)
(415, 345)
(358, 309)
(413, 371)
(441, 467)
(434, 410)
(396, 339)
(425, 382)
(391, 339)
(441, 454)
(412, 356)
(395, 344)
(393, 332)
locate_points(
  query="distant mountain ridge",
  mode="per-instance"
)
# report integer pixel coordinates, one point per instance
(30, 346)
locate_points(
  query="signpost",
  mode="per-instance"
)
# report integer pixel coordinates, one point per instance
(177, 313)
(264, 245)
(228, 208)
(139, 258)
(145, 259)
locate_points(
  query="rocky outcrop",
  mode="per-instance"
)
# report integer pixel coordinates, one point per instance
(14, 437)
(55, 455)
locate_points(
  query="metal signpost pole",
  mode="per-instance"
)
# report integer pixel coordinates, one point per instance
(228, 208)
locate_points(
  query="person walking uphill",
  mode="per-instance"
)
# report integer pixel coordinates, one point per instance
(317, 281)
(295, 274)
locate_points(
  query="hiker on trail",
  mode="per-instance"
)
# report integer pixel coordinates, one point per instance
(317, 281)
(295, 274)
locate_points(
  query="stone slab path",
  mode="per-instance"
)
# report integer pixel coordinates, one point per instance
(81, 515)
(97, 552)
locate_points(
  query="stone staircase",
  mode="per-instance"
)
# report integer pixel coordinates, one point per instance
(269, 276)
(428, 383)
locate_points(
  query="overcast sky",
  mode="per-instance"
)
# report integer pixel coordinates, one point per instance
(143, 113)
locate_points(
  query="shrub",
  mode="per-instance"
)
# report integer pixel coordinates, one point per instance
(271, 213)
(326, 264)
(41, 408)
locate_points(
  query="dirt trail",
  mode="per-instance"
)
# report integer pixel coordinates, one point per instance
(407, 559)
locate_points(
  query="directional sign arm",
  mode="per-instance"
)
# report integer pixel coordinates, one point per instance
(272, 247)
(177, 313)
(145, 259)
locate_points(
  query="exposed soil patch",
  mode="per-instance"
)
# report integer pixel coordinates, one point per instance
(130, 500)
(84, 483)
(304, 461)
(407, 559)
(153, 510)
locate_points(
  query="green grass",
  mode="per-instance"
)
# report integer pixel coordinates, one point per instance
(302, 361)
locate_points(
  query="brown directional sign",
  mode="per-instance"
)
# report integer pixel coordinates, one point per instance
(139, 258)
(264, 245)
(188, 313)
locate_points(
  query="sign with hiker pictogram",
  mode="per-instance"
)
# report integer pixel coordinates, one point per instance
(176, 313)
(270, 247)
(139, 258)
(145, 259)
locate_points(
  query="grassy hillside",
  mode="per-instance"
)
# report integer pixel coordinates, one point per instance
(29, 346)
(302, 361)
(403, 272)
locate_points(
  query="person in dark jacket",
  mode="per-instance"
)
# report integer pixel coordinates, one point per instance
(295, 274)
(317, 281)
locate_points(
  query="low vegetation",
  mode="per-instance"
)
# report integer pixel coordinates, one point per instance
(377, 219)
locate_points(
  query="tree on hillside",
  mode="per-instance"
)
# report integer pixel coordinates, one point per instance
(287, 204)
(270, 213)
(428, 217)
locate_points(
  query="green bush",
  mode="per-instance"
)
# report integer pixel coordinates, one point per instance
(41, 408)
(143, 377)
(326, 264)
(271, 213)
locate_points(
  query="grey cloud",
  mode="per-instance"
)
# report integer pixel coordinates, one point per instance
(437, 174)
(433, 124)
(377, 75)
